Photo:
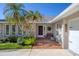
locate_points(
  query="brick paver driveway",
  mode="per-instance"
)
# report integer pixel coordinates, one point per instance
(35, 52)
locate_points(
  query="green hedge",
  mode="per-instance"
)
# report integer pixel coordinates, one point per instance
(13, 46)
(9, 46)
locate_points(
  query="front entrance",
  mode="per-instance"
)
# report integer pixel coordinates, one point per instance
(40, 31)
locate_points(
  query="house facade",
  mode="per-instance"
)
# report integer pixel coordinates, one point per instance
(64, 27)
(40, 28)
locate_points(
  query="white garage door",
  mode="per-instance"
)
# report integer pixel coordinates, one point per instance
(74, 35)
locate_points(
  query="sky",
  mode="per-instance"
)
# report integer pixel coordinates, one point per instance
(46, 9)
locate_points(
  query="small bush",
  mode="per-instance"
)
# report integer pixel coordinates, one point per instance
(4, 40)
(20, 40)
(29, 41)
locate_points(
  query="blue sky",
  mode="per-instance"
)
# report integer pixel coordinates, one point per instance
(46, 9)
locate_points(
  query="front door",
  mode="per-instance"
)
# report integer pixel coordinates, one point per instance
(40, 30)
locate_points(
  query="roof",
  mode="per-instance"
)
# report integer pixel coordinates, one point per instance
(68, 11)
(46, 19)
(2, 21)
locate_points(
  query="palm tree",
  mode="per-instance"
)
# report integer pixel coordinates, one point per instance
(34, 17)
(15, 13)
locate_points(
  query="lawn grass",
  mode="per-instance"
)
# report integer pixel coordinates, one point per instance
(13, 46)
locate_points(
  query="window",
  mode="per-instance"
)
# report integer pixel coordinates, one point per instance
(13, 29)
(66, 28)
(49, 28)
(7, 29)
(19, 30)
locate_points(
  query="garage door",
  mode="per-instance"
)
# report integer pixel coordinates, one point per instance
(74, 35)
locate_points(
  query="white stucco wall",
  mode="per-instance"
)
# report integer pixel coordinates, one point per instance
(58, 31)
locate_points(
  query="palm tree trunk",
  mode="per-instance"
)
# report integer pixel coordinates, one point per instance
(19, 24)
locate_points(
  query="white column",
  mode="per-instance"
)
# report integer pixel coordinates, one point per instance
(22, 30)
(10, 29)
(45, 29)
(4, 29)
(34, 30)
(16, 30)
(65, 34)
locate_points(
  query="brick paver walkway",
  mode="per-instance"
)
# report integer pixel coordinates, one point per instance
(47, 44)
